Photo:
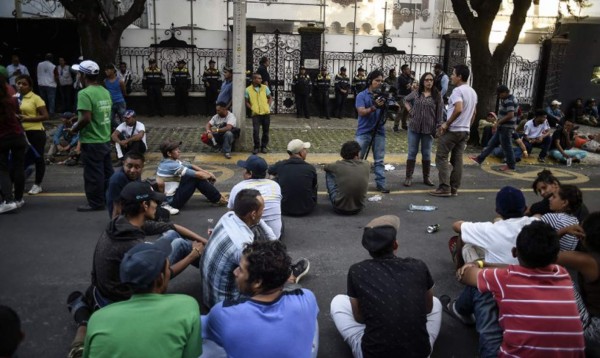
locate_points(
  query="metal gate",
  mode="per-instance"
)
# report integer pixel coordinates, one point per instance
(283, 52)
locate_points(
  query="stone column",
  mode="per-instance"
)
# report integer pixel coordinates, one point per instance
(455, 51)
(553, 55)
(310, 47)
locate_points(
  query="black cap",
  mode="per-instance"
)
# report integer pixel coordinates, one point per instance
(361, 69)
(342, 68)
(151, 60)
(138, 191)
(181, 62)
(254, 164)
(380, 232)
(211, 61)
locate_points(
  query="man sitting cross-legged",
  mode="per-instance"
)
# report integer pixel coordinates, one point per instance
(347, 180)
(536, 304)
(390, 310)
(493, 241)
(151, 323)
(224, 249)
(277, 319)
(221, 130)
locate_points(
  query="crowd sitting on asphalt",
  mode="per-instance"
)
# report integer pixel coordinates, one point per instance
(248, 276)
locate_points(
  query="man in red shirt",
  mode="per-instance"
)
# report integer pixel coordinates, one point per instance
(536, 303)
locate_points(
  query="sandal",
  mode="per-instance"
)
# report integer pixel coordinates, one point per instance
(448, 307)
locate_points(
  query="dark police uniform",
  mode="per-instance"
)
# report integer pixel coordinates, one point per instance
(404, 89)
(212, 84)
(342, 88)
(359, 84)
(323, 83)
(301, 87)
(181, 82)
(153, 82)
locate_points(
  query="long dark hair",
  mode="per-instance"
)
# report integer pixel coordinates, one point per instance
(435, 93)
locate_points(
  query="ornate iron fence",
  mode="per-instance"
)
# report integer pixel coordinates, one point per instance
(371, 61)
(197, 59)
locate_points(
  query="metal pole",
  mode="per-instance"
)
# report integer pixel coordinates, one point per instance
(442, 27)
(18, 9)
(192, 40)
(239, 67)
(412, 34)
(154, 25)
(228, 60)
(352, 67)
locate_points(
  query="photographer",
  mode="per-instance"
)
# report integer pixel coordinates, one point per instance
(371, 130)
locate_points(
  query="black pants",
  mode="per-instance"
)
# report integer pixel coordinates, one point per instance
(66, 98)
(137, 146)
(154, 101)
(97, 170)
(340, 99)
(211, 101)
(323, 103)
(302, 105)
(181, 100)
(15, 146)
(37, 138)
(265, 122)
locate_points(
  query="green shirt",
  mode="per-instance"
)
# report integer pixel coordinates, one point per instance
(146, 326)
(95, 99)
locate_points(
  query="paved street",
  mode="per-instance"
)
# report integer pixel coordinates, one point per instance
(46, 248)
(49, 245)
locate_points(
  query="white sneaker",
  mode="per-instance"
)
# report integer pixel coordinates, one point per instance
(171, 209)
(6, 207)
(35, 189)
(20, 203)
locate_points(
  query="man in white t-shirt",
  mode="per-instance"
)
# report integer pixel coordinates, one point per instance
(497, 240)
(255, 178)
(221, 129)
(47, 76)
(454, 133)
(537, 134)
(15, 69)
(129, 136)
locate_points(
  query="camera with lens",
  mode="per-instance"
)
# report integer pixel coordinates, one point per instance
(388, 94)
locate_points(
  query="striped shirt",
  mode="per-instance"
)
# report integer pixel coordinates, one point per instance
(537, 311)
(426, 112)
(171, 171)
(507, 105)
(561, 220)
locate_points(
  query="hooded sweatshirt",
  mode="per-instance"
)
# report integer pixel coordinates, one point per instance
(118, 237)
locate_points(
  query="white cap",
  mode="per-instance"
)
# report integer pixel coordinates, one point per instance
(296, 145)
(88, 67)
(556, 103)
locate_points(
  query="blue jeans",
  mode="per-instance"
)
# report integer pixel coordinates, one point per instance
(225, 139)
(499, 153)
(187, 187)
(48, 94)
(484, 307)
(573, 153)
(378, 151)
(414, 139)
(180, 247)
(116, 114)
(545, 145)
(332, 188)
(502, 137)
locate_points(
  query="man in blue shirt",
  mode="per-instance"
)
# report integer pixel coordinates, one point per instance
(371, 129)
(225, 94)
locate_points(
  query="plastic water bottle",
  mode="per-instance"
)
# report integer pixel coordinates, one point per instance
(414, 207)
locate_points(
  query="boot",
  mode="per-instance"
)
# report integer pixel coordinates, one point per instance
(410, 168)
(426, 167)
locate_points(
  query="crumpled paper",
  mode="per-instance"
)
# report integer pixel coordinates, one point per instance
(389, 167)
(375, 198)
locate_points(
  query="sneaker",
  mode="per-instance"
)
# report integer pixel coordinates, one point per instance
(396, 129)
(474, 158)
(78, 308)
(264, 150)
(454, 192)
(449, 307)
(170, 209)
(35, 189)
(228, 155)
(255, 151)
(439, 192)
(6, 207)
(541, 160)
(383, 189)
(222, 202)
(20, 203)
(300, 269)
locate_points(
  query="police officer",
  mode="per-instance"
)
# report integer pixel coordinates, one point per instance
(342, 88)
(323, 84)
(212, 84)
(359, 84)
(153, 82)
(301, 87)
(181, 82)
(405, 82)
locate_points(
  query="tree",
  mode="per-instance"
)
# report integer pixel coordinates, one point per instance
(100, 26)
(476, 18)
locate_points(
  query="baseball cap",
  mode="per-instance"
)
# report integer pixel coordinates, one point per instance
(380, 232)
(342, 68)
(556, 103)
(361, 69)
(254, 164)
(129, 113)
(142, 264)
(510, 202)
(138, 191)
(87, 67)
(296, 145)
(211, 61)
(168, 145)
